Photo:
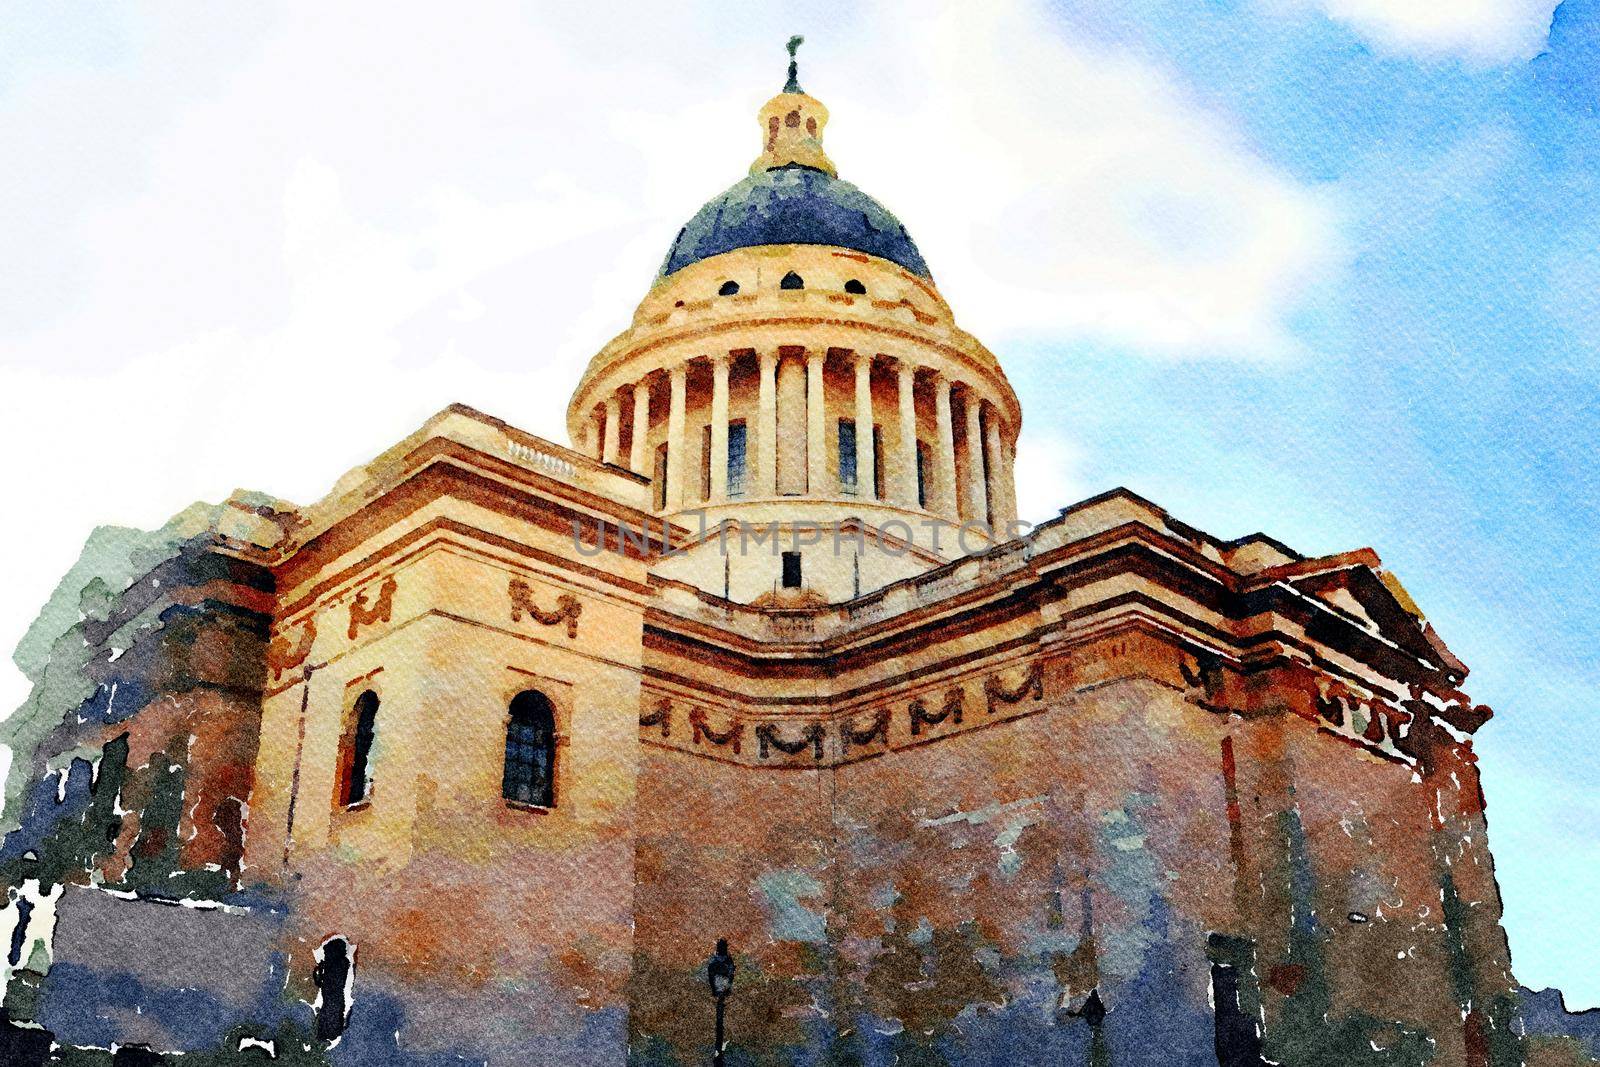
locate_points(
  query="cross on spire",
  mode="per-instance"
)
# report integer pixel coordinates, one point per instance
(793, 85)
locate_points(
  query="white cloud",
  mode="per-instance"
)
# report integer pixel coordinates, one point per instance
(1485, 32)
(260, 251)
(1070, 190)
(1049, 474)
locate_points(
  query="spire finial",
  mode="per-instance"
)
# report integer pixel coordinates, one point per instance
(793, 85)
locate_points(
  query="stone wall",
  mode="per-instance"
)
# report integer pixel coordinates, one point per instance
(943, 901)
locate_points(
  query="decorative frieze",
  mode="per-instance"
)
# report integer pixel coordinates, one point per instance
(1332, 700)
(769, 735)
(1369, 719)
(567, 608)
(1032, 684)
(363, 615)
(732, 736)
(877, 730)
(856, 730)
(661, 716)
(811, 737)
(1384, 725)
(952, 708)
(1203, 674)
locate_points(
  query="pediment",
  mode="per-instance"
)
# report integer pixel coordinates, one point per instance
(1355, 585)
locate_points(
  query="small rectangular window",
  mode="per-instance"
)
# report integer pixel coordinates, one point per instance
(791, 570)
(356, 755)
(705, 462)
(736, 454)
(847, 457)
(922, 475)
(661, 478)
(877, 461)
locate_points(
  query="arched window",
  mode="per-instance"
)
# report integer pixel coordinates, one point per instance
(356, 784)
(728, 289)
(855, 288)
(792, 281)
(530, 775)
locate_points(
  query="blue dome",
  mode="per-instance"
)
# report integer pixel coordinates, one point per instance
(794, 205)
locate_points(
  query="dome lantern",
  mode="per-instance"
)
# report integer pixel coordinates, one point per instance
(791, 126)
(793, 196)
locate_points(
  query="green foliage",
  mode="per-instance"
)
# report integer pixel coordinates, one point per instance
(75, 846)
(925, 979)
(1505, 1046)
(293, 1046)
(55, 653)
(81, 1057)
(652, 1051)
(1308, 1034)
(1354, 1040)
(1557, 1052)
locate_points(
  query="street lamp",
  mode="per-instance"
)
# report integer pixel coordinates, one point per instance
(1093, 1012)
(719, 975)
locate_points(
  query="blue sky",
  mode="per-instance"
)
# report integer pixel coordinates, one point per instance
(1323, 268)
(1446, 404)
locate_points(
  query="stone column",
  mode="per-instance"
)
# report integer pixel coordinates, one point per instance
(905, 481)
(944, 481)
(816, 427)
(638, 457)
(766, 480)
(719, 427)
(1008, 471)
(998, 511)
(977, 495)
(865, 465)
(677, 413)
(591, 436)
(613, 436)
(791, 427)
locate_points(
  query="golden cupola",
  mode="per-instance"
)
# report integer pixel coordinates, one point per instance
(791, 125)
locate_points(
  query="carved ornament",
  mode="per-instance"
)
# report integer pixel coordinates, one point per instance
(811, 737)
(362, 615)
(661, 716)
(282, 657)
(733, 736)
(876, 730)
(952, 708)
(567, 608)
(1032, 684)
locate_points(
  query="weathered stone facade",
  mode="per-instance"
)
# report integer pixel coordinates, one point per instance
(1107, 790)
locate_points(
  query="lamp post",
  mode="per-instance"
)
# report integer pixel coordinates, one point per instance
(719, 975)
(1093, 1012)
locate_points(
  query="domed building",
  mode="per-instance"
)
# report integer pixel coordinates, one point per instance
(752, 725)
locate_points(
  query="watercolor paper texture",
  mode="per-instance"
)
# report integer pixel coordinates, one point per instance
(751, 688)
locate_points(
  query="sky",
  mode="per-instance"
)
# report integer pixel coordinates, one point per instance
(1328, 269)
